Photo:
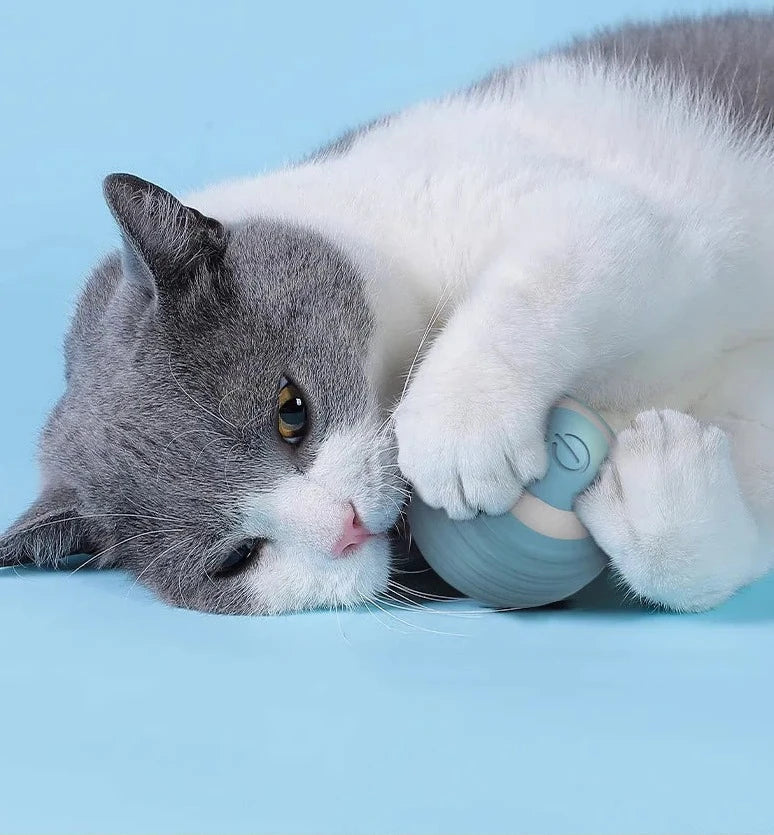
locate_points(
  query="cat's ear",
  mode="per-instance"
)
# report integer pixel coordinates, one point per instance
(50, 530)
(164, 241)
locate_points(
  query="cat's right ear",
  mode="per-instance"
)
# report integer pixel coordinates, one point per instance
(165, 242)
(50, 530)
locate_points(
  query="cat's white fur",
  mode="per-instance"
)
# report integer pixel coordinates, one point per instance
(594, 232)
(304, 516)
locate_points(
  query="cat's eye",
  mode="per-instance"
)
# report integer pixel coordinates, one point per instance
(240, 558)
(291, 413)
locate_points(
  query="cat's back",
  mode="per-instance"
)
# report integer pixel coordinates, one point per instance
(730, 55)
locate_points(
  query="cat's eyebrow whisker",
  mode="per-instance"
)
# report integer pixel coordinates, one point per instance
(201, 452)
(225, 464)
(180, 589)
(174, 545)
(219, 418)
(162, 457)
(223, 399)
(89, 561)
(259, 415)
(128, 539)
(150, 512)
(100, 516)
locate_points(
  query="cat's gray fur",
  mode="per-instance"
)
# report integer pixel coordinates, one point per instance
(166, 417)
(174, 353)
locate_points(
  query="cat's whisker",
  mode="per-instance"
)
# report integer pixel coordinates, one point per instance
(172, 547)
(439, 598)
(395, 494)
(163, 456)
(124, 542)
(201, 452)
(412, 571)
(408, 605)
(392, 483)
(144, 508)
(416, 626)
(259, 415)
(85, 563)
(443, 299)
(336, 609)
(368, 605)
(204, 409)
(473, 614)
(225, 464)
(181, 592)
(223, 399)
(80, 516)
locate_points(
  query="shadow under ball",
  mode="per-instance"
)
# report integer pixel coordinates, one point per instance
(539, 552)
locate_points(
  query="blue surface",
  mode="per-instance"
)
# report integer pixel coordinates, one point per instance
(122, 715)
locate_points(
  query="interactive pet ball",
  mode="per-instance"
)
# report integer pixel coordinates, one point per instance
(539, 552)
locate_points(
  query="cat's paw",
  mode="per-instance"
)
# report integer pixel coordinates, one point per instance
(466, 441)
(668, 511)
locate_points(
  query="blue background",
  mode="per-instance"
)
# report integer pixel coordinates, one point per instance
(122, 715)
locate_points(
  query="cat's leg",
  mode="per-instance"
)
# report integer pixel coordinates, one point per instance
(595, 275)
(683, 510)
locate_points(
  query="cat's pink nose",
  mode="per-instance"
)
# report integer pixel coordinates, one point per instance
(353, 533)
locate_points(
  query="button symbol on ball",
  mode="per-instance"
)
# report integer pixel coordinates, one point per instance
(570, 452)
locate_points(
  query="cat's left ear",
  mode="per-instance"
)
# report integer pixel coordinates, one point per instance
(165, 242)
(50, 530)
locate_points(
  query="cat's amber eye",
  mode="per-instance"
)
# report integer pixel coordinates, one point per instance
(291, 413)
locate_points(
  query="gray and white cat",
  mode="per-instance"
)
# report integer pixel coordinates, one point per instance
(599, 221)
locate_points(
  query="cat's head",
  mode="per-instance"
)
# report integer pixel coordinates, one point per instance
(221, 423)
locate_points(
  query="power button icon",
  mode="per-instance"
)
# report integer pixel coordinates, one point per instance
(570, 452)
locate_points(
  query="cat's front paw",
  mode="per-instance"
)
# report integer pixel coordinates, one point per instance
(466, 442)
(668, 510)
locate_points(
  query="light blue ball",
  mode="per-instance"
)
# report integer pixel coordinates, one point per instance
(540, 552)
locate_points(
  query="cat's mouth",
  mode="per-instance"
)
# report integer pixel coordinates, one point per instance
(351, 547)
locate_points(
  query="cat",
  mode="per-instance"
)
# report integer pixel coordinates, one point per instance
(256, 377)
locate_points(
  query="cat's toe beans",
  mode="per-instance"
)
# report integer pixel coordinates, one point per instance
(668, 510)
(492, 494)
(444, 493)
